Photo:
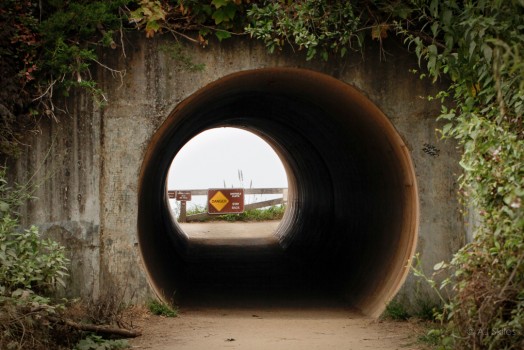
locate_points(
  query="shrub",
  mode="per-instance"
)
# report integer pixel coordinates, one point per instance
(95, 342)
(27, 261)
(479, 46)
(29, 266)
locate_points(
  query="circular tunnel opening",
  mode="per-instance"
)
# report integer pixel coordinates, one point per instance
(227, 158)
(352, 217)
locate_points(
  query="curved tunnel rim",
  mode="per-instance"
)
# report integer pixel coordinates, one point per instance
(373, 306)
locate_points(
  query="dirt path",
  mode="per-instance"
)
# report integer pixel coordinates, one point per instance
(277, 329)
(222, 230)
(256, 318)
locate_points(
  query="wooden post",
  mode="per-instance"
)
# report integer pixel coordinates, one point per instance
(183, 216)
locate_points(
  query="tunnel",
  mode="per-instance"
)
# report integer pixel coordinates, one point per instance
(351, 222)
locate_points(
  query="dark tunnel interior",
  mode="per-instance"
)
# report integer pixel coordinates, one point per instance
(352, 217)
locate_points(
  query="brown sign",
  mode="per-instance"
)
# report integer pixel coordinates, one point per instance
(225, 201)
(183, 195)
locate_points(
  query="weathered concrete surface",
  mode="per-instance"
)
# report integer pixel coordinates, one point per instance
(89, 162)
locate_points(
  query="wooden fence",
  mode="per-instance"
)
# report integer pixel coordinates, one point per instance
(248, 191)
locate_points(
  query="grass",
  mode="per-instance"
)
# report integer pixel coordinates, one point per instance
(431, 338)
(396, 311)
(161, 309)
(271, 213)
(275, 212)
(429, 333)
(428, 310)
(424, 309)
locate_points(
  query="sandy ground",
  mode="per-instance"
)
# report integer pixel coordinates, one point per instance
(230, 230)
(276, 329)
(265, 321)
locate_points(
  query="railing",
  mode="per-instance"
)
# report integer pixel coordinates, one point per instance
(183, 217)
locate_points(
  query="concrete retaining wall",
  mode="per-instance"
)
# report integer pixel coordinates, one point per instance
(89, 162)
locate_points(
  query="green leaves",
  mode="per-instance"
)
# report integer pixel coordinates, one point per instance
(488, 52)
(432, 56)
(161, 308)
(479, 48)
(222, 34)
(219, 3)
(4, 206)
(225, 11)
(26, 260)
(95, 342)
(150, 15)
(317, 27)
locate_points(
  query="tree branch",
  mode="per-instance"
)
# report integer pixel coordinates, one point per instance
(108, 330)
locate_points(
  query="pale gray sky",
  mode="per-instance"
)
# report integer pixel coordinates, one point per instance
(215, 156)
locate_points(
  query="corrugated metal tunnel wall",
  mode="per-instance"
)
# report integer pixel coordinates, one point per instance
(353, 214)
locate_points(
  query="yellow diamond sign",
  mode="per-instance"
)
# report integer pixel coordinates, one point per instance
(225, 200)
(218, 201)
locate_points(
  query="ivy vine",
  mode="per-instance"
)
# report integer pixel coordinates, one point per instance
(479, 46)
